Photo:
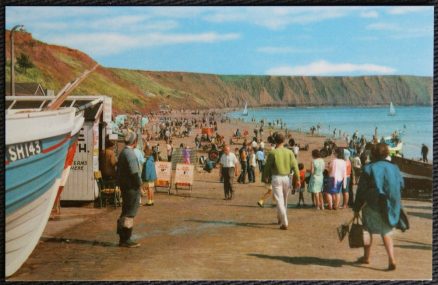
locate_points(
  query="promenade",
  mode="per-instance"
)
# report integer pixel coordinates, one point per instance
(205, 237)
(198, 235)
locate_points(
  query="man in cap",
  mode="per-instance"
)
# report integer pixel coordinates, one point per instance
(128, 174)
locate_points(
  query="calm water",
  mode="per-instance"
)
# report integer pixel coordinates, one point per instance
(414, 123)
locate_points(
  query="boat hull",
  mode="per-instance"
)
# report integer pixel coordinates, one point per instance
(32, 177)
(416, 169)
(25, 227)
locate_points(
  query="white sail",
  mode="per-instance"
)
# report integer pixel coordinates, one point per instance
(391, 110)
(245, 111)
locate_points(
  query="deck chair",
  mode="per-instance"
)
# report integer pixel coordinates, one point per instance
(108, 190)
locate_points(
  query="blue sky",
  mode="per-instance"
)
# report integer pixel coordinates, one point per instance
(242, 40)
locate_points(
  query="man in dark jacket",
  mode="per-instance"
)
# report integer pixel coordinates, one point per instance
(424, 152)
(243, 154)
(128, 173)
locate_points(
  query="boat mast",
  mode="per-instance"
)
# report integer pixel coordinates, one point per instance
(68, 88)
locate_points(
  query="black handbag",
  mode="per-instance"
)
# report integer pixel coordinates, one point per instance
(403, 222)
(355, 236)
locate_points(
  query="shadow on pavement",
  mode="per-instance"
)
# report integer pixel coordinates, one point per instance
(418, 207)
(421, 215)
(244, 206)
(310, 260)
(424, 247)
(251, 225)
(196, 197)
(413, 244)
(79, 241)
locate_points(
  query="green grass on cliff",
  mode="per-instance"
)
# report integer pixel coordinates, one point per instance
(30, 76)
(146, 84)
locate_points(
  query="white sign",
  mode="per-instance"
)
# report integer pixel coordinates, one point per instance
(164, 173)
(184, 174)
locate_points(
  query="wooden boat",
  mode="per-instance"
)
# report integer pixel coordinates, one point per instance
(36, 148)
(36, 163)
(414, 168)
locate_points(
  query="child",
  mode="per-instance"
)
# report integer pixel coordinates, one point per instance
(149, 175)
(302, 181)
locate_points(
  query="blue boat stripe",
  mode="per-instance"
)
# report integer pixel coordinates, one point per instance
(35, 175)
(22, 201)
(28, 179)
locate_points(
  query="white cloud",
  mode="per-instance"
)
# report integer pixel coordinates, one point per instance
(369, 14)
(117, 22)
(323, 67)
(276, 18)
(411, 33)
(96, 44)
(384, 27)
(287, 50)
(405, 10)
(396, 31)
(210, 37)
(113, 43)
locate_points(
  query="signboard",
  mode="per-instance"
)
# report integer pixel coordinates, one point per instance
(107, 109)
(164, 173)
(184, 174)
(80, 185)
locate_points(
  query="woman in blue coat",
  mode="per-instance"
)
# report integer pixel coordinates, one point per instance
(379, 197)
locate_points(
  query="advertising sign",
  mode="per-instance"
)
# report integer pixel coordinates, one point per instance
(164, 173)
(184, 174)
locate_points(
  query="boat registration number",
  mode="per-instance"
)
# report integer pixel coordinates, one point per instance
(23, 150)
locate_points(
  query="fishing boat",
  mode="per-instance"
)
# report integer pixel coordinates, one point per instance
(40, 146)
(71, 151)
(415, 168)
(395, 145)
(36, 148)
(417, 175)
(391, 110)
(245, 110)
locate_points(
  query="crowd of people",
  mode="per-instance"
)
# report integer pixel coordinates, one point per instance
(330, 185)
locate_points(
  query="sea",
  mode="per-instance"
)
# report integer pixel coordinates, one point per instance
(414, 123)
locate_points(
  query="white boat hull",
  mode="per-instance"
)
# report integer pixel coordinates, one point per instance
(25, 227)
(32, 178)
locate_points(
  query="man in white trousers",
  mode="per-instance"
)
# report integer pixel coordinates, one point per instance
(279, 165)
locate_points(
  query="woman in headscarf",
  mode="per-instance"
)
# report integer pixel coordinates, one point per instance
(379, 197)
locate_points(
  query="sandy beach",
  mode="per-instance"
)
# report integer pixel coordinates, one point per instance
(197, 235)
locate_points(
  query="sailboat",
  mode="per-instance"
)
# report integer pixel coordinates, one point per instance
(391, 110)
(245, 111)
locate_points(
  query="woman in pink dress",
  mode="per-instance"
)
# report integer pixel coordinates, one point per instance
(338, 179)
